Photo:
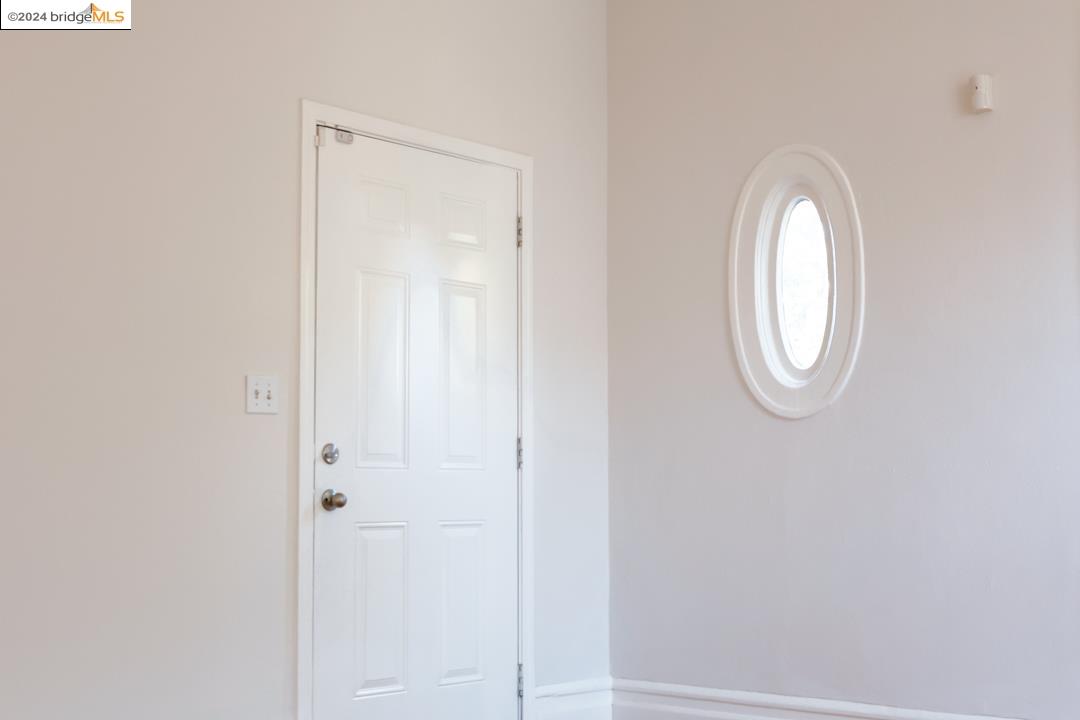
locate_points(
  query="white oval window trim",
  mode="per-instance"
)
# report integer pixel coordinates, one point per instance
(781, 182)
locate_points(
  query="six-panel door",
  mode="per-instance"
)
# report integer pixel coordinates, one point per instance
(416, 384)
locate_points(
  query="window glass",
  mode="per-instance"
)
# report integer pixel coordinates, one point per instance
(803, 284)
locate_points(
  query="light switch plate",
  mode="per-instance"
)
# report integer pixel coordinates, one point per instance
(263, 395)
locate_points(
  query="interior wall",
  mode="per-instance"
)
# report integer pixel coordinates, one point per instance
(150, 200)
(916, 544)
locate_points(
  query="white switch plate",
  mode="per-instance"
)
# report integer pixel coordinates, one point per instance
(262, 394)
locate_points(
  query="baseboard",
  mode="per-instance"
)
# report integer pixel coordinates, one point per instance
(605, 699)
(640, 700)
(581, 700)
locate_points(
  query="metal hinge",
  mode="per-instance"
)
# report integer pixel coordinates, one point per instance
(521, 680)
(319, 139)
(520, 454)
(520, 230)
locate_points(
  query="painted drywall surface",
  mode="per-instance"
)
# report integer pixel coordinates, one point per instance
(917, 543)
(149, 192)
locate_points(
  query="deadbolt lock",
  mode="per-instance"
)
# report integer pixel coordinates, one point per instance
(330, 453)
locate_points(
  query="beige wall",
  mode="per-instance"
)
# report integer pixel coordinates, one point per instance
(149, 196)
(917, 544)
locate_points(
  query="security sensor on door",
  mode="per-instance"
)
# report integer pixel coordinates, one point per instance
(263, 395)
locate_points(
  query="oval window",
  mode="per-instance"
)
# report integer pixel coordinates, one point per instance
(803, 284)
(796, 281)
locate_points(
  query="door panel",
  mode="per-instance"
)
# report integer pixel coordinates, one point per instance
(379, 598)
(462, 352)
(416, 384)
(382, 359)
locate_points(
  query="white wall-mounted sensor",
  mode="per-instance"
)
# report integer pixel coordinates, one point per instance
(982, 93)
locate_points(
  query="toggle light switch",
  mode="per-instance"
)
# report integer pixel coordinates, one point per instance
(263, 395)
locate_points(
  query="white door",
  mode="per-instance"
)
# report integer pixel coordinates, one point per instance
(416, 576)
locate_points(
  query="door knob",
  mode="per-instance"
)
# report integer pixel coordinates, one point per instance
(332, 501)
(330, 453)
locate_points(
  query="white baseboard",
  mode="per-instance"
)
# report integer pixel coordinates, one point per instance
(641, 700)
(581, 700)
(605, 699)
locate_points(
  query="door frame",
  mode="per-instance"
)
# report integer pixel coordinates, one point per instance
(313, 115)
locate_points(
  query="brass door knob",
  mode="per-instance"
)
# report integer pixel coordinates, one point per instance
(332, 501)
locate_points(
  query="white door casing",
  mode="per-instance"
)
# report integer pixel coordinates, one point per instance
(415, 581)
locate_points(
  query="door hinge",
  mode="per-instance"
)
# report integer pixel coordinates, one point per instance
(319, 139)
(521, 680)
(520, 454)
(520, 231)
